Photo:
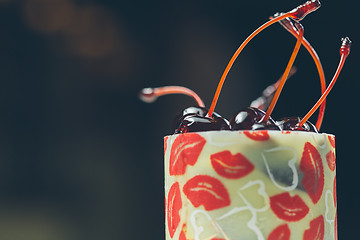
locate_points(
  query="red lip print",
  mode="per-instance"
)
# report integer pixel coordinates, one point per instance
(173, 208)
(185, 151)
(165, 144)
(280, 233)
(332, 140)
(207, 191)
(316, 230)
(262, 135)
(313, 170)
(330, 159)
(288, 208)
(231, 166)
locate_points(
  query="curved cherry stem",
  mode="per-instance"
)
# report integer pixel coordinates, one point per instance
(151, 94)
(286, 73)
(236, 54)
(288, 25)
(298, 14)
(344, 53)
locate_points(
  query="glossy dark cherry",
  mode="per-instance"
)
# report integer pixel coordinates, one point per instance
(198, 111)
(291, 123)
(250, 118)
(193, 119)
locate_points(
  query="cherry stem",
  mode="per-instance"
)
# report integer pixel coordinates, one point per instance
(236, 54)
(288, 25)
(344, 53)
(151, 94)
(261, 102)
(286, 73)
(298, 14)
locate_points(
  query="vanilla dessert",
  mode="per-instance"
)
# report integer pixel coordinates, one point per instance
(250, 185)
(252, 177)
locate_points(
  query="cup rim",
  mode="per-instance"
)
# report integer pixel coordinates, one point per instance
(284, 132)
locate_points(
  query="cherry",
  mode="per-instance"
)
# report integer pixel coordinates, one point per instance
(193, 110)
(292, 124)
(195, 119)
(252, 119)
(196, 123)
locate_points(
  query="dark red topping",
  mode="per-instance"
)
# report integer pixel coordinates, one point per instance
(193, 123)
(195, 119)
(192, 110)
(252, 119)
(292, 124)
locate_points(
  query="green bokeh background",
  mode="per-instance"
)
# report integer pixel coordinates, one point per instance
(81, 156)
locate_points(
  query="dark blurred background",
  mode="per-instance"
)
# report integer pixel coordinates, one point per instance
(81, 156)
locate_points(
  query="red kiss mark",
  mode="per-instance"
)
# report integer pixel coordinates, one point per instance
(330, 158)
(182, 234)
(259, 135)
(185, 151)
(313, 170)
(207, 191)
(280, 233)
(165, 144)
(332, 140)
(288, 208)
(231, 166)
(316, 230)
(173, 208)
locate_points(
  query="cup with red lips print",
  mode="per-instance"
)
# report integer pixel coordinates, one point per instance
(251, 185)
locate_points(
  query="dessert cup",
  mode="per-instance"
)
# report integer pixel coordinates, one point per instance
(250, 185)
